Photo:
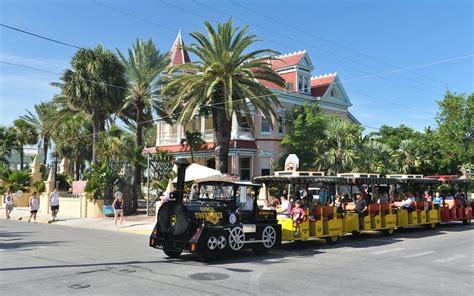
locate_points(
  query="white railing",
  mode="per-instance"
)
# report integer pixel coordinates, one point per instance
(208, 135)
(169, 139)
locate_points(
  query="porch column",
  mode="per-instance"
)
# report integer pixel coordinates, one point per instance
(235, 128)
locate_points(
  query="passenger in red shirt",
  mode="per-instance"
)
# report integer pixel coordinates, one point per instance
(297, 213)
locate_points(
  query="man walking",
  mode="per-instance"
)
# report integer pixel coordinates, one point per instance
(54, 201)
(8, 201)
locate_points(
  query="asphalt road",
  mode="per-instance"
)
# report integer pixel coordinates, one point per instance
(42, 259)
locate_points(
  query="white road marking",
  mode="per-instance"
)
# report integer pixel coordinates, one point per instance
(419, 254)
(387, 251)
(452, 258)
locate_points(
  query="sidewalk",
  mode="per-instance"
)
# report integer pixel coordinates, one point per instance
(139, 224)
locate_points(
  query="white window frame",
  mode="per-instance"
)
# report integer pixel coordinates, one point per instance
(262, 120)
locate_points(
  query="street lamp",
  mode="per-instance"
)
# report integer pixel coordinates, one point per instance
(54, 160)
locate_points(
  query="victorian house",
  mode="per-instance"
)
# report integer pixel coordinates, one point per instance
(253, 151)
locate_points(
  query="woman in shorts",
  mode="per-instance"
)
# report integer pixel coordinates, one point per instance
(118, 209)
(34, 206)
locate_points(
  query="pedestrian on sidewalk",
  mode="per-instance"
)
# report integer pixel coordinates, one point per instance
(34, 206)
(8, 201)
(118, 210)
(54, 202)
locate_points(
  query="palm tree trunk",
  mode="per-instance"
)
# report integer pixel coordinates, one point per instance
(222, 129)
(95, 136)
(138, 166)
(21, 156)
(45, 149)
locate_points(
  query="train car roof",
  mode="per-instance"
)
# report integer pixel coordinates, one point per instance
(299, 179)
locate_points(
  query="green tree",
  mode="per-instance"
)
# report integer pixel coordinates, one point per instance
(374, 157)
(409, 157)
(41, 121)
(194, 141)
(8, 143)
(143, 67)
(393, 136)
(456, 130)
(337, 151)
(224, 82)
(96, 85)
(304, 121)
(25, 134)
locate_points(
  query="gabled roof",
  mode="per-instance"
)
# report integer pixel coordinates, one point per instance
(288, 60)
(320, 84)
(179, 55)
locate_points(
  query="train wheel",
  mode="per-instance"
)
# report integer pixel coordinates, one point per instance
(466, 221)
(388, 231)
(332, 240)
(172, 254)
(212, 243)
(221, 242)
(269, 237)
(236, 238)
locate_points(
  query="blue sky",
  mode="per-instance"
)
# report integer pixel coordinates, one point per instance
(357, 39)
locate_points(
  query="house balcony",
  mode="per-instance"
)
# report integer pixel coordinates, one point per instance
(208, 137)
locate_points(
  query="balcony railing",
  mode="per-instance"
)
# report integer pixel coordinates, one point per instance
(169, 139)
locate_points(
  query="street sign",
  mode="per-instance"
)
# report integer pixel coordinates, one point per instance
(19, 193)
(118, 194)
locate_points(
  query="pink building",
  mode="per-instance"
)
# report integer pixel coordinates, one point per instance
(253, 152)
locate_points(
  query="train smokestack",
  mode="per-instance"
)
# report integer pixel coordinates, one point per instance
(182, 164)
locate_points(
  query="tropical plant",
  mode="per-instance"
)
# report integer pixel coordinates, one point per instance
(143, 67)
(41, 121)
(116, 145)
(25, 134)
(336, 151)
(100, 181)
(224, 81)
(194, 141)
(19, 180)
(8, 143)
(408, 156)
(96, 85)
(374, 157)
(39, 186)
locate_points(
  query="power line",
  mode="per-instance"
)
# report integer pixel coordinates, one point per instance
(279, 21)
(311, 46)
(41, 37)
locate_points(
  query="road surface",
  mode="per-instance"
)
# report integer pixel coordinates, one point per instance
(42, 259)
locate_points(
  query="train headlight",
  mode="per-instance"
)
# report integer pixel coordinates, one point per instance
(232, 219)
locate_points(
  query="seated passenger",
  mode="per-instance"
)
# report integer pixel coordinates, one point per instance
(284, 211)
(449, 197)
(384, 198)
(361, 209)
(438, 200)
(428, 196)
(407, 203)
(246, 209)
(339, 204)
(297, 214)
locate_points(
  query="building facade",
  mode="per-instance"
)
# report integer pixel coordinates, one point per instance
(254, 150)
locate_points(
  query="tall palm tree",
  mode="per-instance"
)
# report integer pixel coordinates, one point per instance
(221, 81)
(96, 85)
(409, 156)
(143, 67)
(41, 120)
(8, 143)
(25, 134)
(374, 157)
(337, 151)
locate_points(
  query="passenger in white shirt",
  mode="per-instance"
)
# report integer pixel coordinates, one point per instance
(285, 208)
(248, 205)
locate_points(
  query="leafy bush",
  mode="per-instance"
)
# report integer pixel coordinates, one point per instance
(100, 181)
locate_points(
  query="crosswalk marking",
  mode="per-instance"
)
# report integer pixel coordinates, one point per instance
(387, 251)
(452, 258)
(418, 254)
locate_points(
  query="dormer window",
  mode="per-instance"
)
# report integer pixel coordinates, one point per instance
(306, 84)
(333, 93)
(300, 83)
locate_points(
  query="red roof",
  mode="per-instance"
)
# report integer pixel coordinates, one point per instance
(270, 84)
(320, 84)
(241, 144)
(288, 60)
(179, 55)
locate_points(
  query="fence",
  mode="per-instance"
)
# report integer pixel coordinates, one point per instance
(74, 205)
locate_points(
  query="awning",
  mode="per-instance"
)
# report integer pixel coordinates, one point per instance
(196, 171)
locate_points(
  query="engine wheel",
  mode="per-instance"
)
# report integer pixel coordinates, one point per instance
(269, 237)
(221, 242)
(388, 231)
(212, 243)
(172, 253)
(236, 238)
(332, 240)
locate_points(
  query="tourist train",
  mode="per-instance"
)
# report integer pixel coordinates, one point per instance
(217, 218)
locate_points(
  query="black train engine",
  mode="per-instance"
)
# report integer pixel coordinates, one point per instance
(218, 220)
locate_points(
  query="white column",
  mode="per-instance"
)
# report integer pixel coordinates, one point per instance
(234, 135)
(158, 133)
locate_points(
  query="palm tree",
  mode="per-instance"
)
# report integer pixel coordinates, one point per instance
(143, 67)
(96, 85)
(337, 151)
(194, 141)
(221, 81)
(374, 157)
(43, 123)
(25, 134)
(8, 143)
(409, 156)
